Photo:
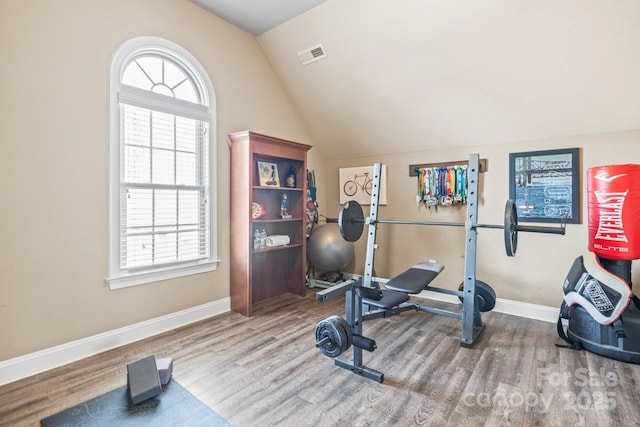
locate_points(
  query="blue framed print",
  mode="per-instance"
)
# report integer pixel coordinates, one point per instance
(545, 185)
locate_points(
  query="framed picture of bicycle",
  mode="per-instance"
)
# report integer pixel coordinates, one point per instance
(356, 184)
(545, 185)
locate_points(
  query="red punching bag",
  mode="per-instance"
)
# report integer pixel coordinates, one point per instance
(613, 208)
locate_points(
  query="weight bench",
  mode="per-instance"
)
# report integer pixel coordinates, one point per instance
(364, 300)
(413, 281)
(335, 335)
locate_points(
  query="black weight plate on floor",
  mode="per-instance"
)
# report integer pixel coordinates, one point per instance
(351, 221)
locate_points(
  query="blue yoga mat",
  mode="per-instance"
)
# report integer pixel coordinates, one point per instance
(175, 406)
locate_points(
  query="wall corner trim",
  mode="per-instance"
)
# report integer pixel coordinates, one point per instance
(33, 363)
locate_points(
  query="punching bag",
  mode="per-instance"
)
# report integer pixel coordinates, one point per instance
(613, 208)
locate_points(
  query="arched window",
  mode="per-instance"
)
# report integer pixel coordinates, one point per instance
(162, 198)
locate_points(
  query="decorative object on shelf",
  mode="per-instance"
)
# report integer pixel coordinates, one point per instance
(257, 210)
(284, 207)
(277, 240)
(356, 184)
(268, 173)
(263, 238)
(291, 178)
(256, 239)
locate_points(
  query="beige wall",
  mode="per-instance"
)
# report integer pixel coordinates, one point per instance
(54, 174)
(54, 135)
(536, 273)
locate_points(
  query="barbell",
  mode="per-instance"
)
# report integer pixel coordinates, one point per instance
(351, 223)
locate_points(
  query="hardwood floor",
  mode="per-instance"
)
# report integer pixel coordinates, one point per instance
(265, 370)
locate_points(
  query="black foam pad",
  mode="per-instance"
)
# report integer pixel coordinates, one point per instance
(389, 299)
(415, 279)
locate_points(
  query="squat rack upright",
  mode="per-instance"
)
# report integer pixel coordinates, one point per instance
(471, 319)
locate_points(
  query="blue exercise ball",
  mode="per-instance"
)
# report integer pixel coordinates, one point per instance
(327, 250)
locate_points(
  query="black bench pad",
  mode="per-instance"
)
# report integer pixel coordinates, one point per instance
(389, 299)
(415, 279)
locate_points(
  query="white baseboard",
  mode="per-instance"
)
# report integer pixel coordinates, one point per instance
(516, 308)
(30, 364)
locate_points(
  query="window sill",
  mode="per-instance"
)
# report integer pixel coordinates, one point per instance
(128, 280)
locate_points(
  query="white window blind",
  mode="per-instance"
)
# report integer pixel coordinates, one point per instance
(162, 188)
(164, 202)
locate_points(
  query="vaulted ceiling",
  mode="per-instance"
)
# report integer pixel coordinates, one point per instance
(257, 16)
(413, 75)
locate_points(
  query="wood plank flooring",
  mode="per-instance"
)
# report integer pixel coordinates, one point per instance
(266, 371)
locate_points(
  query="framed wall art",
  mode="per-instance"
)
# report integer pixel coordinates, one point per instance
(268, 174)
(545, 185)
(356, 184)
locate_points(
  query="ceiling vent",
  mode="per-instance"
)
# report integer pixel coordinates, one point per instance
(312, 54)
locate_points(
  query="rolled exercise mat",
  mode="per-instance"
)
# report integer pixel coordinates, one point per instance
(613, 208)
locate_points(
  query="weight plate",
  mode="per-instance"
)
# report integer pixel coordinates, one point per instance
(342, 324)
(351, 221)
(336, 337)
(510, 228)
(486, 296)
